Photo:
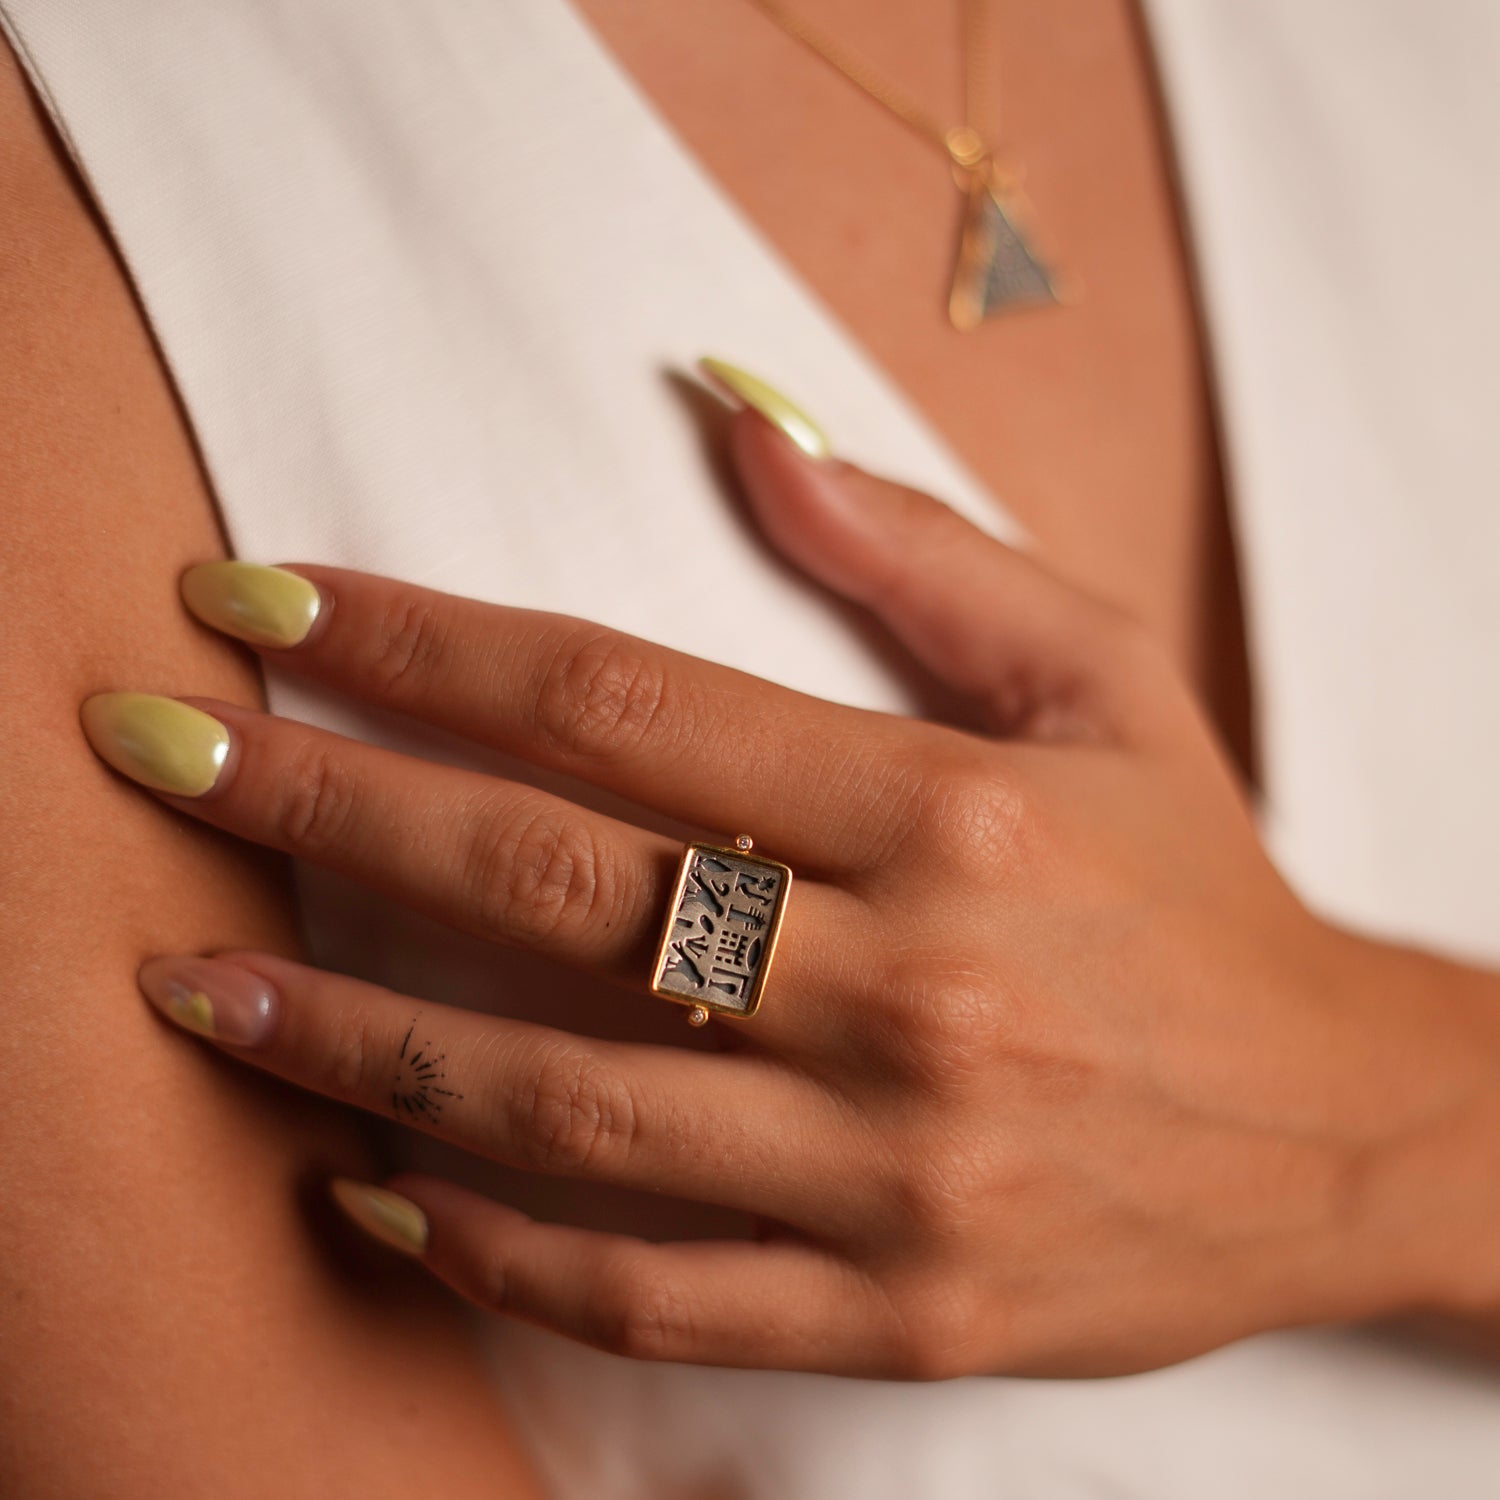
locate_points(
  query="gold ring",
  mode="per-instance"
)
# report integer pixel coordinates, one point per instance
(720, 930)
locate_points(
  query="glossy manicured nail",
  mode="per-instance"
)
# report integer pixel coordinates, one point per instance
(157, 741)
(265, 606)
(395, 1220)
(211, 997)
(771, 404)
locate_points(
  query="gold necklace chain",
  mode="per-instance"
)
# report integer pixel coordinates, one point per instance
(962, 142)
(998, 265)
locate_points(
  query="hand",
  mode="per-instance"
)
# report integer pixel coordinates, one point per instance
(1054, 1075)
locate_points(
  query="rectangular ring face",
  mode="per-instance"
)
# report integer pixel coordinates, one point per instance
(721, 929)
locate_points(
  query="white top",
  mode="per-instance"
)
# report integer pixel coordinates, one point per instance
(407, 343)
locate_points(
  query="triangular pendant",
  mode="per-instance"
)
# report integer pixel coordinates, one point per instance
(998, 269)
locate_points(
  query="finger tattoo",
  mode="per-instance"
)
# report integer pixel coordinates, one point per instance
(420, 1076)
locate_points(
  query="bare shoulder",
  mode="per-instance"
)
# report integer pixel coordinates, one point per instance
(173, 1306)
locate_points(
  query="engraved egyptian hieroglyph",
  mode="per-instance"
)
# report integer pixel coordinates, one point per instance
(718, 940)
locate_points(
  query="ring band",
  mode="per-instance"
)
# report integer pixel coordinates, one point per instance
(720, 930)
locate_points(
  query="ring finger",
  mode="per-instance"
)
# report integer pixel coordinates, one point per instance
(505, 861)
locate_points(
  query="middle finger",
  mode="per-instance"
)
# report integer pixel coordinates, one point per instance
(704, 743)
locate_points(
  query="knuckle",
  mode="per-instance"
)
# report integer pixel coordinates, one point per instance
(951, 1028)
(943, 1190)
(537, 873)
(494, 1286)
(957, 807)
(601, 696)
(317, 799)
(941, 1323)
(351, 1057)
(576, 1114)
(973, 817)
(642, 1314)
(407, 640)
(944, 1023)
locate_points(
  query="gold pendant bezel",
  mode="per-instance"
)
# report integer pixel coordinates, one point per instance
(998, 218)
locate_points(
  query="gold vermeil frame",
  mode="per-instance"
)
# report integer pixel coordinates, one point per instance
(773, 931)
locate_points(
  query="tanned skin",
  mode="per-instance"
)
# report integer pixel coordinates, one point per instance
(181, 1313)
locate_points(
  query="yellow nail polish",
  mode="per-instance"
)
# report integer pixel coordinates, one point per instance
(265, 606)
(195, 1011)
(771, 404)
(159, 742)
(390, 1218)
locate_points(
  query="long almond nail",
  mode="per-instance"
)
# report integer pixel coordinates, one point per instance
(265, 606)
(159, 742)
(780, 411)
(390, 1218)
(211, 997)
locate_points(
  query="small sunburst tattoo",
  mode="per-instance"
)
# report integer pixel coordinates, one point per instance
(418, 1089)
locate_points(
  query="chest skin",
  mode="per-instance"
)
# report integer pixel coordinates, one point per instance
(1093, 421)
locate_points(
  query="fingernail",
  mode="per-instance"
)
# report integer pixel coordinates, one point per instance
(157, 741)
(211, 997)
(265, 606)
(394, 1220)
(777, 409)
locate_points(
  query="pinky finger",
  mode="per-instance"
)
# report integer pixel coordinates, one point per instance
(777, 1304)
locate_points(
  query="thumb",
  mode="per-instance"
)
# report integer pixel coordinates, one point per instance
(1044, 660)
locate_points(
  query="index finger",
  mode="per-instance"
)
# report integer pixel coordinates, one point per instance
(703, 743)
